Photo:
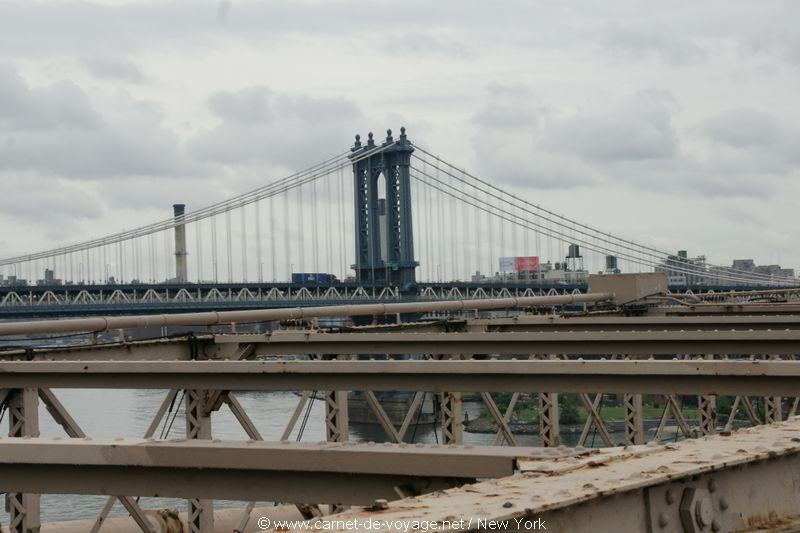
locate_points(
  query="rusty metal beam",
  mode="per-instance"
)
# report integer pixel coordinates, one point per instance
(622, 323)
(267, 315)
(174, 349)
(523, 343)
(773, 308)
(651, 377)
(598, 342)
(720, 483)
(288, 472)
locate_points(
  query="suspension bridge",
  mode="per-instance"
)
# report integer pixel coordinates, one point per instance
(383, 221)
(475, 295)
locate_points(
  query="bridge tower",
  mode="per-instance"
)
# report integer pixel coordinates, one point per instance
(181, 271)
(384, 233)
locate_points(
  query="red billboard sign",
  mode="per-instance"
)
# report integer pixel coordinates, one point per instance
(526, 263)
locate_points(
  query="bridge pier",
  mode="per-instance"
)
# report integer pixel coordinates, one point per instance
(23, 421)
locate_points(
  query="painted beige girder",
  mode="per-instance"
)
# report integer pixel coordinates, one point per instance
(648, 377)
(757, 469)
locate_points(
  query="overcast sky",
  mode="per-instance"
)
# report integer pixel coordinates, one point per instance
(672, 123)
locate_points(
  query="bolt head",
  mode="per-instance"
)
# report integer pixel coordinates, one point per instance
(723, 503)
(704, 512)
(670, 496)
(380, 504)
(716, 525)
(712, 485)
(696, 509)
(663, 520)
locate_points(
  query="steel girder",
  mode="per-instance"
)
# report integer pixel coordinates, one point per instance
(764, 378)
(287, 472)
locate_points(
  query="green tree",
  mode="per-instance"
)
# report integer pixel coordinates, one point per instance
(569, 409)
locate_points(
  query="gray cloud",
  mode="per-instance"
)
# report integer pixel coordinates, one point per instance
(56, 130)
(428, 44)
(668, 46)
(752, 143)
(636, 128)
(111, 68)
(50, 203)
(741, 128)
(60, 105)
(510, 147)
(223, 11)
(247, 106)
(259, 126)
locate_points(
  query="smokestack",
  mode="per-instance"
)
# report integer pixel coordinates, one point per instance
(180, 243)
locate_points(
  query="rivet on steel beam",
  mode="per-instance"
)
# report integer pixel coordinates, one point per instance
(663, 520)
(723, 503)
(670, 496)
(379, 505)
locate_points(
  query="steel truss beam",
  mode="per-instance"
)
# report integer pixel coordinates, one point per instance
(775, 308)
(633, 343)
(266, 315)
(763, 378)
(352, 474)
(552, 323)
(524, 343)
(23, 423)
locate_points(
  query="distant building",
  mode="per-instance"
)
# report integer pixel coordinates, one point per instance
(49, 278)
(683, 271)
(774, 271)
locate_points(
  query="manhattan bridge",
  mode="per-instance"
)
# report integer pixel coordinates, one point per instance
(679, 402)
(386, 220)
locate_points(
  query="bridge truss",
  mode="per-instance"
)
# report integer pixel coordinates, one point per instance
(749, 359)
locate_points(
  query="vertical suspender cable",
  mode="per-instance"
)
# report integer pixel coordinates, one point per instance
(327, 221)
(285, 229)
(229, 245)
(199, 252)
(342, 227)
(259, 262)
(165, 243)
(214, 254)
(439, 229)
(301, 238)
(453, 219)
(314, 235)
(465, 239)
(271, 233)
(243, 221)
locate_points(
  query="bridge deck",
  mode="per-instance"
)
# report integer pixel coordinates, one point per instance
(752, 473)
